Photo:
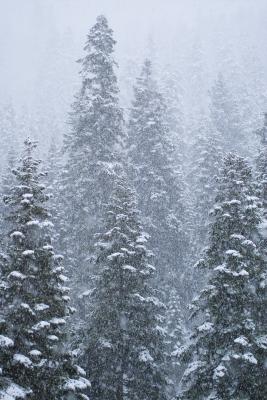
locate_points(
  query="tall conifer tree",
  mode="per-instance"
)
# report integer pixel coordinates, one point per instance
(228, 348)
(34, 297)
(159, 187)
(93, 147)
(226, 117)
(161, 197)
(126, 346)
(262, 163)
(206, 156)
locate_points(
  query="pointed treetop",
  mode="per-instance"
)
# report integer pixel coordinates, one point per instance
(30, 144)
(100, 37)
(146, 78)
(146, 72)
(27, 157)
(147, 67)
(101, 19)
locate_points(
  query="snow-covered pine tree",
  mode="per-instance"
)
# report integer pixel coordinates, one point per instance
(206, 155)
(175, 338)
(228, 348)
(261, 171)
(93, 147)
(8, 389)
(7, 181)
(226, 117)
(34, 296)
(173, 93)
(262, 163)
(203, 171)
(160, 193)
(53, 175)
(126, 348)
(158, 185)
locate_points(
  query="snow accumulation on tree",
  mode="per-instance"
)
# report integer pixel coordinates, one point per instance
(126, 337)
(34, 308)
(227, 350)
(133, 258)
(93, 149)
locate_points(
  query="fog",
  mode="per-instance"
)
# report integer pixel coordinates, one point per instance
(151, 194)
(225, 31)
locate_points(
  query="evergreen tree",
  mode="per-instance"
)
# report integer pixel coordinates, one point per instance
(206, 156)
(172, 90)
(159, 186)
(228, 348)
(126, 345)
(161, 197)
(93, 148)
(53, 175)
(175, 338)
(34, 297)
(226, 117)
(8, 180)
(262, 163)
(261, 171)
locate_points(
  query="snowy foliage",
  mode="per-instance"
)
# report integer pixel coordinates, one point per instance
(93, 150)
(126, 333)
(131, 331)
(225, 346)
(226, 117)
(31, 293)
(156, 181)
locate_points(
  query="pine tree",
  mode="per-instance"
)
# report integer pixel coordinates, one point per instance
(33, 296)
(206, 156)
(159, 187)
(93, 148)
(161, 196)
(262, 163)
(228, 347)
(53, 175)
(8, 180)
(173, 93)
(175, 338)
(126, 336)
(226, 117)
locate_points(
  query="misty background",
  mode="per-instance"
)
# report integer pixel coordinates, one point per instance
(40, 41)
(153, 158)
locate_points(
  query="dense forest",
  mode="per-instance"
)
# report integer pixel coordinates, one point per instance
(133, 259)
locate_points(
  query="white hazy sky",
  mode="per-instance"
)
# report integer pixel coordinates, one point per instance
(27, 26)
